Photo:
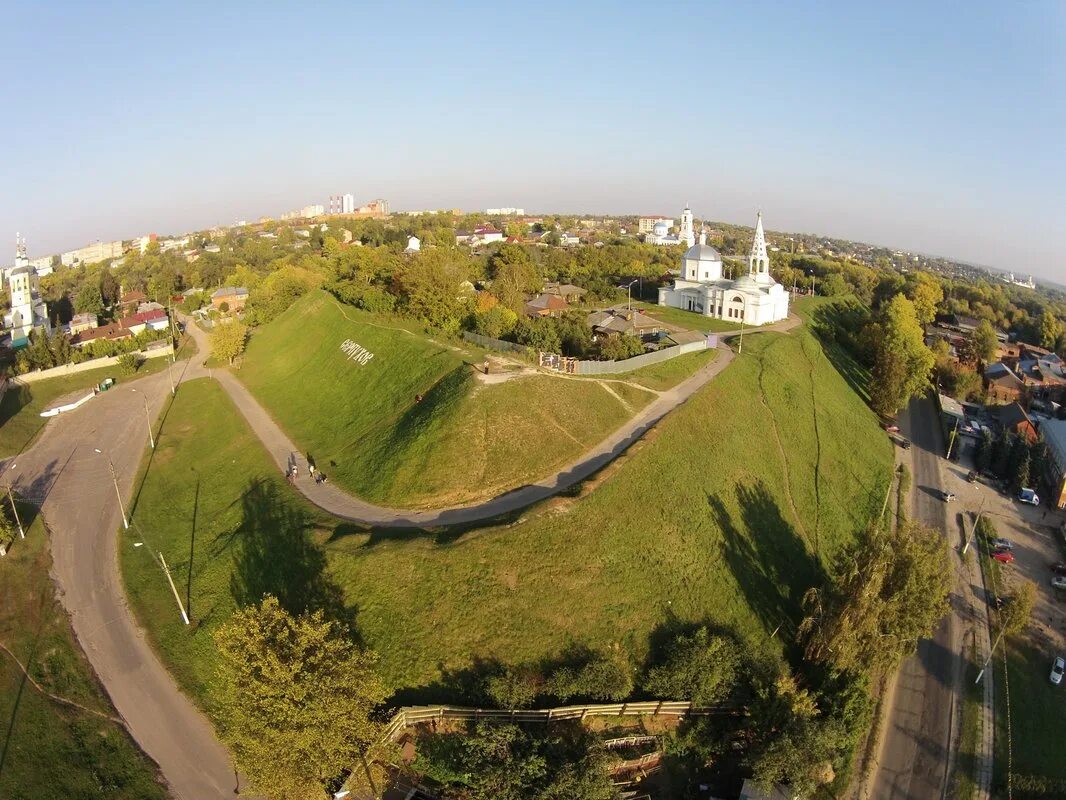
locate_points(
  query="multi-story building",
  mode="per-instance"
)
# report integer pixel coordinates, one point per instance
(28, 310)
(92, 253)
(506, 212)
(377, 207)
(1054, 433)
(647, 224)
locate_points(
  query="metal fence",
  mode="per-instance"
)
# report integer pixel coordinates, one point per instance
(413, 715)
(636, 362)
(493, 344)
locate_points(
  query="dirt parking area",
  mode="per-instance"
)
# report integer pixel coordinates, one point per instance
(1034, 532)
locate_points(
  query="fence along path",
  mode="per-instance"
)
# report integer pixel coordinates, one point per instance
(413, 715)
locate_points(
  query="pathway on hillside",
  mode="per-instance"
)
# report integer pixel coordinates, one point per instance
(341, 504)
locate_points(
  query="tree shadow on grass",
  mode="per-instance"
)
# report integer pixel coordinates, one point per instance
(836, 325)
(769, 560)
(277, 556)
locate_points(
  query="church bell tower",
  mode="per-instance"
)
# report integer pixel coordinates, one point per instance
(759, 261)
(686, 236)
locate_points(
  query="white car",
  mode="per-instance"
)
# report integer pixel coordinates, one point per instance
(1029, 497)
(1057, 669)
(1058, 582)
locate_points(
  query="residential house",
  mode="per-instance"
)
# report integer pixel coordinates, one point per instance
(482, 234)
(233, 296)
(569, 240)
(1054, 432)
(546, 305)
(130, 300)
(1002, 385)
(110, 332)
(1013, 418)
(156, 320)
(567, 291)
(1044, 377)
(82, 322)
(633, 322)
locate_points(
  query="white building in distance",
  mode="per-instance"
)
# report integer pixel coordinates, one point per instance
(506, 212)
(92, 253)
(647, 224)
(752, 299)
(28, 310)
(660, 232)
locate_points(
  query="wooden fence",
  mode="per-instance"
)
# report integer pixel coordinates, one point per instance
(413, 715)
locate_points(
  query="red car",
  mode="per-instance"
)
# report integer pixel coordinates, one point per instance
(1006, 556)
(892, 428)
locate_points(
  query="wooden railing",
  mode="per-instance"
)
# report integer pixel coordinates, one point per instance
(413, 715)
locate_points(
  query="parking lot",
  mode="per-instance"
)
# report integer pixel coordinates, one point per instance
(1034, 532)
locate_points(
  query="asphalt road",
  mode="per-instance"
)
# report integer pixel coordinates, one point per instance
(916, 751)
(72, 483)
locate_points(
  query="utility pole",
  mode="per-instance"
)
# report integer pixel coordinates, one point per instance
(148, 419)
(118, 494)
(15, 511)
(990, 654)
(951, 440)
(170, 374)
(170, 580)
(973, 529)
(740, 346)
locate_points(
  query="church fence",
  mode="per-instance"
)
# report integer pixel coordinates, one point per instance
(644, 360)
(494, 344)
(413, 715)
(96, 363)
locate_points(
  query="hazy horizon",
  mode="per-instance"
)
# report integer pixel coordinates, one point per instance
(881, 125)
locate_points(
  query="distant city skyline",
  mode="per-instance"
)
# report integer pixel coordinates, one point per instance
(916, 127)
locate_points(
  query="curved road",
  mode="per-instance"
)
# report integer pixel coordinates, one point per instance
(67, 474)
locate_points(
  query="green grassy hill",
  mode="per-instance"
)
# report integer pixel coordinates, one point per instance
(727, 512)
(462, 442)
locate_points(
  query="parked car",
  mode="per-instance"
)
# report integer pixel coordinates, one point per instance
(1029, 497)
(1059, 568)
(947, 497)
(1007, 557)
(892, 428)
(905, 444)
(1002, 544)
(1058, 582)
(1057, 669)
(972, 477)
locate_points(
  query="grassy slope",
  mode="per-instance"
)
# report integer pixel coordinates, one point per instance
(462, 442)
(667, 374)
(722, 515)
(51, 750)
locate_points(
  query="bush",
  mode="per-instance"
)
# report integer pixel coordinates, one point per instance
(128, 363)
(697, 666)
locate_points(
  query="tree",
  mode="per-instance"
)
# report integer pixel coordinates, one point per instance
(128, 363)
(1015, 615)
(293, 699)
(891, 590)
(696, 666)
(228, 340)
(619, 346)
(985, 447)
(926, 294)
(983, 342)
(901, 359)
(89, 300)
(1050, 330)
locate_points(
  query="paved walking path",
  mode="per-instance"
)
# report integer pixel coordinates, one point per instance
(339, 503)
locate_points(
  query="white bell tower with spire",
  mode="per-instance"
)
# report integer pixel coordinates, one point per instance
(759, 260)
(686, 236)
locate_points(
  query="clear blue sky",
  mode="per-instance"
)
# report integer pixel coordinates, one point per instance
(930, 126)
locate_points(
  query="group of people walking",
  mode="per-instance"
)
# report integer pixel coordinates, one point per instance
(317, 475)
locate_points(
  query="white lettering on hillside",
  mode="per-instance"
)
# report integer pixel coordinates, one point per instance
(356, 352)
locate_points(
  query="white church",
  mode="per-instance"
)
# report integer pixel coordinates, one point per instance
(753, 299)
(28, 310)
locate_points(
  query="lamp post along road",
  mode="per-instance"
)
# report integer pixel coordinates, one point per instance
(177, 597)
(15, 511)
(118, 493)
(148, 419)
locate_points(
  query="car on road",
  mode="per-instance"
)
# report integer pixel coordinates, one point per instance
(1029, 497)
(1002, 544)
(1058, 582)
(947, 497)
(905, 444)
(1057, 669)
(1059, 568)
(892, 428)
(1007, 557)
(972, 477)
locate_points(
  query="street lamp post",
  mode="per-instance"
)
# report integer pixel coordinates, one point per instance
(973, 529)
(15, 511)
(148, 418)
(629, 290)
(170, 374)
(118, 494)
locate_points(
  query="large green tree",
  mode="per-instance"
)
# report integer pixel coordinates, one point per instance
(926, 294)
(89, 300)
(890, 590)
(901, 360)
(228, 340)
(294, 698)
(1050, 330)
(696, 666)
(983, 342)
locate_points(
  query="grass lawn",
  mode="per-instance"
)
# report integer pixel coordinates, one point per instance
(686, 319)
(463, 441)
(727, 512)
(1037, 717)
(21, 407)
(668, 374)
(51, 750)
